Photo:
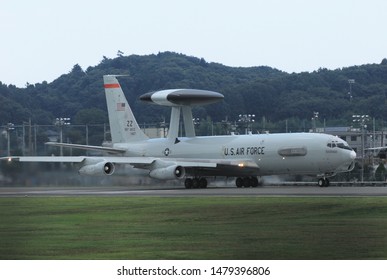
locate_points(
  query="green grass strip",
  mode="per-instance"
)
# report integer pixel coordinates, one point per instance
(193, 228)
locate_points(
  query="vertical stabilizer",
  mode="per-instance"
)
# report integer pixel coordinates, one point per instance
(123, 125)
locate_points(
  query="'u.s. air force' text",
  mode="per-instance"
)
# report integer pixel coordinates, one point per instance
(243, 151)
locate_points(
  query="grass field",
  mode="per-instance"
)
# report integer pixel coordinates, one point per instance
(193, 228)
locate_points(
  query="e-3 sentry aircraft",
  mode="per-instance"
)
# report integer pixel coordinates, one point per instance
(195, 158)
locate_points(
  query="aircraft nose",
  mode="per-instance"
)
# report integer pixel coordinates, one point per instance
(352, 155)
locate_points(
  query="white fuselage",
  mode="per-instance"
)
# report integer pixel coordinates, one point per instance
(291, 153)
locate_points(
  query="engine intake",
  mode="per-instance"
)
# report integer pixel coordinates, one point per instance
(101, 168)
(168, 173)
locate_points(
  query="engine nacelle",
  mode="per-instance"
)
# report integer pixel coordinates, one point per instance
(100, 168)
(168, 173)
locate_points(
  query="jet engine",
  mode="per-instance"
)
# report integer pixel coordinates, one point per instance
(168, 173)
(100, 168)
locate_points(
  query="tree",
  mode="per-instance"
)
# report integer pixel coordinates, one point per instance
(381, 172)
(90, 116)
(262, 91)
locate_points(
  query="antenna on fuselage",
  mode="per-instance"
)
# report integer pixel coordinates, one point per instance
(181, 100)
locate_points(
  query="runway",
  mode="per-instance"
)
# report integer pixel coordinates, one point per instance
(286, 191)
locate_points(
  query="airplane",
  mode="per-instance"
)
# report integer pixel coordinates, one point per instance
(381, 151)
(196, 158)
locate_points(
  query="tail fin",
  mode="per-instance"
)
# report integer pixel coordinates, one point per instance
(123, 125)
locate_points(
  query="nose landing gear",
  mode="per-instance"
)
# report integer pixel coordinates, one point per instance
(323, 182)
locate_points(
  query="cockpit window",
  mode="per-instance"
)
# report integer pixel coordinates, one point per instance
(331, 144)
(343, 146)
(339, 145)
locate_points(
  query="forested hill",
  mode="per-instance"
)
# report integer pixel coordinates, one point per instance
(263, 91)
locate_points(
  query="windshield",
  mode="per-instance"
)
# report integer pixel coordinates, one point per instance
(344, 146)
(339, 145)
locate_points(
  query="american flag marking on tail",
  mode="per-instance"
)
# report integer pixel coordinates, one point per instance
(120, 106)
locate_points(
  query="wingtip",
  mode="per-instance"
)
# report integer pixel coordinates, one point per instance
(9, 158)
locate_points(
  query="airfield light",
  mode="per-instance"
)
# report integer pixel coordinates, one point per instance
(362, 120)
(9, 128)
(196, 121)
(350, 82)
(314, 118)
(60, 122)
(247, 120)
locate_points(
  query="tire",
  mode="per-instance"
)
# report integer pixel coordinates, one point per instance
(195, 183)
(239, 182)
(255, 182)
(203, 183)
(247, 182)
(188, 183)
(323, 182)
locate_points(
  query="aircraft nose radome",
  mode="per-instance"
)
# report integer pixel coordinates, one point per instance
(353, 155)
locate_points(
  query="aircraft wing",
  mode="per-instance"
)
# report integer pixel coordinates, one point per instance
(195, 167)
(376, 148)
(79, 159)
(44, 159)
(88, 147)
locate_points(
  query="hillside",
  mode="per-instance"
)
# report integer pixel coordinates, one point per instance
(270, 94)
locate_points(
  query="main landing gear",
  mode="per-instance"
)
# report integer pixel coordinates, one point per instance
(247, 182)
(323, 182)
(195, 183)
(201, 182)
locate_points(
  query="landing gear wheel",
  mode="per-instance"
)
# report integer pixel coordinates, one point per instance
(239, 182)
(188, 183)
(247, 182)
(255, 182)
(195, 183)
(323, 182)
(202, 183)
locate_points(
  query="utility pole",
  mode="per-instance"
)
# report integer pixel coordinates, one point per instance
(362, 120)
(60, 122)
(10, 127)
(350, 82)
(247, 120)
(314, 118)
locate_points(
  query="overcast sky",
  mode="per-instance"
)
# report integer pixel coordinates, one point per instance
(43, 39)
